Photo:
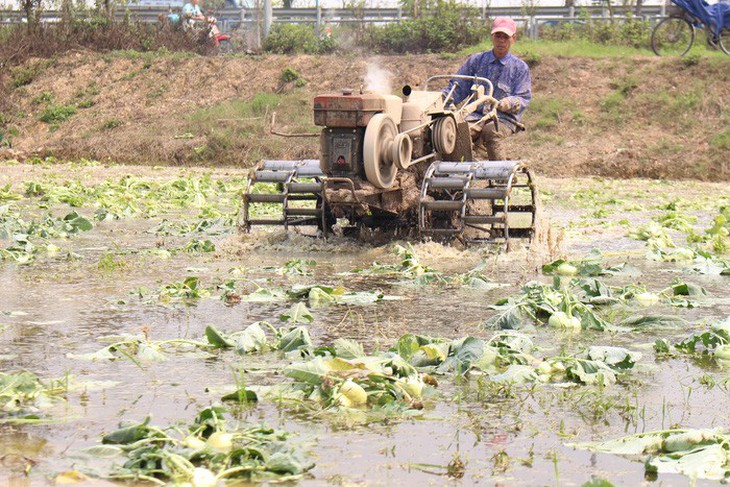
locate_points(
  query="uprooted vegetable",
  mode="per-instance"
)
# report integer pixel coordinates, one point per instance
(23, 396)
(696, 453)
(202, 453)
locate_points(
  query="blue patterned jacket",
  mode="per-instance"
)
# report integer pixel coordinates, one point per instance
(510, 77)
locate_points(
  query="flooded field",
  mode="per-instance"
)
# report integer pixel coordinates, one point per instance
(127, 297)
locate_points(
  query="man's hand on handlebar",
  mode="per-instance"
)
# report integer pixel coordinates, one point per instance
(508, 105)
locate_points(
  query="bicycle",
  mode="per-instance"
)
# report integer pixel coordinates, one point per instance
(675, 35)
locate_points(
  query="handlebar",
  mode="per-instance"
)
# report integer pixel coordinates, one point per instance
(474, 79)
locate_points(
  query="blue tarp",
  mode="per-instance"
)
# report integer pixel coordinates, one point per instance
(717, 16)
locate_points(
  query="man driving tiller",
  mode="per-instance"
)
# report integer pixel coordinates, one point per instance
(510, 76)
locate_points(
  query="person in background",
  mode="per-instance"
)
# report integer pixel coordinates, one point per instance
(192, 15)
(173, 16)
(512, 83)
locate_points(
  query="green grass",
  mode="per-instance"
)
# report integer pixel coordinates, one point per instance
(615, 108)
(539, 138)
(86, 103)
(548, 111)
(23, 76)
(526, 48)
(666, 109)
(57, 114)
(260, 104)
(666, 147)
(111, 124)
(721, 141)
(44, 97)
(150, 56)
(237, 127)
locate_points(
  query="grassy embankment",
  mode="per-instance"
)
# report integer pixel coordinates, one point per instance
(596, 110)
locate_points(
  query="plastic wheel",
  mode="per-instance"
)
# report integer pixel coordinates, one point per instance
(377, 156)
(444, 135)
(672, 36)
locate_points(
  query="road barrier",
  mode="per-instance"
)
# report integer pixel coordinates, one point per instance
(230, 19)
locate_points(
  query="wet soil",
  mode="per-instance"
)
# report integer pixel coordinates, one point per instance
(67, 304)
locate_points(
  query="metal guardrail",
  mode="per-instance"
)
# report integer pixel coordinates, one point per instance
(532, 19)
(232, 18)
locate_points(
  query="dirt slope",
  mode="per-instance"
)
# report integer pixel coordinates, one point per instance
(613, 117)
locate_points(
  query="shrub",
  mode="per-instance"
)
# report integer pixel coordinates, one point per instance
(297, 39)
(448, 27)
(23, 76)
(57, 114)
(289, 74)
(95, 33)
(631, 32)
(261, 103)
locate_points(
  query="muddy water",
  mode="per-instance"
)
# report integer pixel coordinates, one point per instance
(55, 306)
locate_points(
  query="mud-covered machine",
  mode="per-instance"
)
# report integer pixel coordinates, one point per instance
(395, 163)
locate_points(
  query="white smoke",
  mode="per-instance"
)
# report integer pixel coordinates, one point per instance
(377, 79)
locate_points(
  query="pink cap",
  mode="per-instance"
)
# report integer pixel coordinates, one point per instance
(504, 24)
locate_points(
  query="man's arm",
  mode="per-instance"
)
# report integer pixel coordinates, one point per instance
(521, 93)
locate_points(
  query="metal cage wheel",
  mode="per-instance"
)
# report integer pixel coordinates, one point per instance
(379, 136)
(672, 36)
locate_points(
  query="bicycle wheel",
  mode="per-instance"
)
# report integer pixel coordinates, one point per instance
(724, 41)
(672, 36)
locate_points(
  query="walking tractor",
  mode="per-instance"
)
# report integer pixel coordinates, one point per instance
(401, 164)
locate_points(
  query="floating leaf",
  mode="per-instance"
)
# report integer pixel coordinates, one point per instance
(128, 434)
(615, 357)
(648, 321)
(516, 374)
(295, 339)
(699, 454)
(263, 295)
(242, 395)
(252, 339)
(298, 313)
(70, 477)
(217, 339)
(311, 372)
(149, 353)
(709, 462)
(104, 451)
(288, 462)
(319, 296)
(347, 349)
(463, 353)
(590, 372)
(509, 318)
(103, 354)
(687, 289)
